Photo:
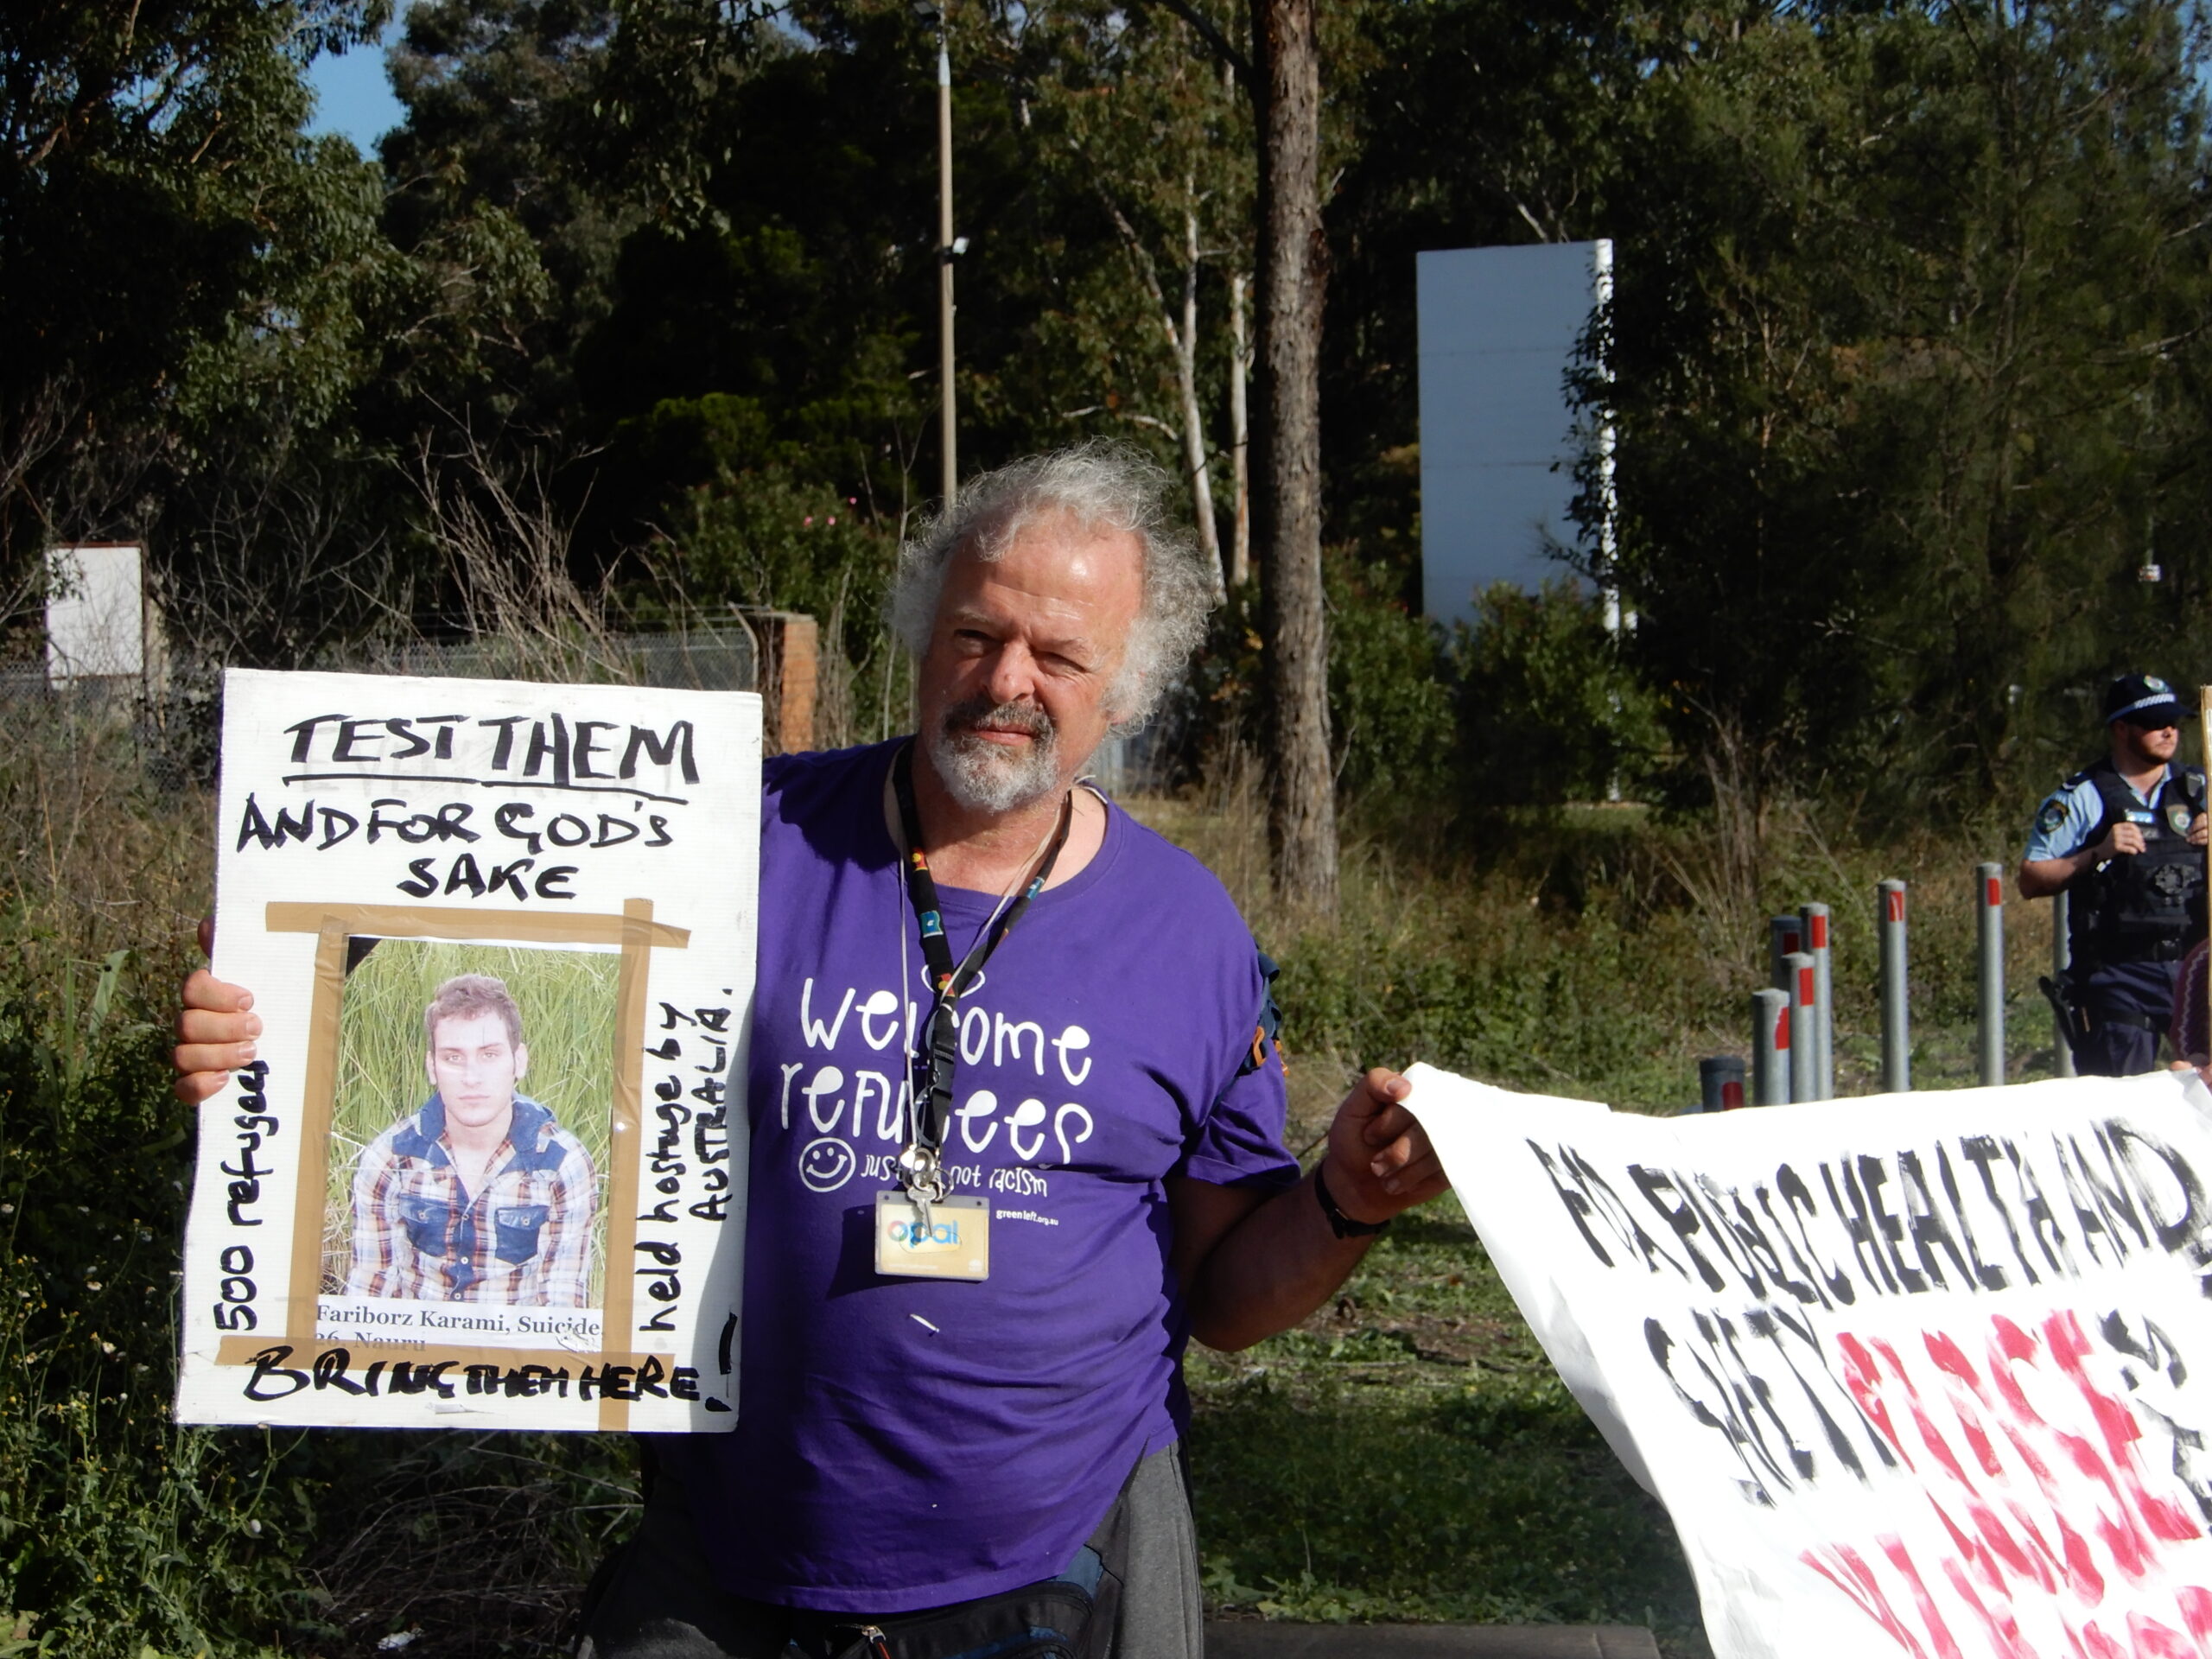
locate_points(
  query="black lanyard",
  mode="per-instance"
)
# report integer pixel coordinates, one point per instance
(932, 1068)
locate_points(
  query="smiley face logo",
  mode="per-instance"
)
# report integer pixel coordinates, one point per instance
(825, 1164)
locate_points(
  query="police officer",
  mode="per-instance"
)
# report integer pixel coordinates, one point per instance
(2125, 838)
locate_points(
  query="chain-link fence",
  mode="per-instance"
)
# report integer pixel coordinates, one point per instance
(699, 659)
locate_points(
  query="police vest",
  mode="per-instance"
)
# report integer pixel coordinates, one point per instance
(2137, 907)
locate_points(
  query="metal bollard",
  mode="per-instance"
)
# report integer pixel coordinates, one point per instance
(1896, 1022)
(1720, 1081)
(1815, 919)
(1783, 935)
(1804, 1054)
(2062, 958)
(1770, 1047)
(1989, 936)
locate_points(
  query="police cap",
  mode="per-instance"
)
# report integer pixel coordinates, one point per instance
(2142, 700)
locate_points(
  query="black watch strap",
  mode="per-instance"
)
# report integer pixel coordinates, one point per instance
(1340, 1224)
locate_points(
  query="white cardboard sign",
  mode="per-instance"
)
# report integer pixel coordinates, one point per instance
(487, 1168)
(1926, 1374)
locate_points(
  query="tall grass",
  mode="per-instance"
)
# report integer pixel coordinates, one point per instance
(121, 1534)
(567, 1000)
(117, 1530)
(1578, 950)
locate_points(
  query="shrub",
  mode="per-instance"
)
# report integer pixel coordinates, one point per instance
(1547, 709)
(1389, 700)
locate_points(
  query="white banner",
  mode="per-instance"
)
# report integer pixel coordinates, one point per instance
(1921, 1374)
(487, 1168)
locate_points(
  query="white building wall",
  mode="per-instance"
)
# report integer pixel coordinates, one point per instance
(1498, 329)
(95, 613)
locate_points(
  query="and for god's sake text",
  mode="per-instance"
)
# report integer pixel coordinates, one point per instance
(512, 850)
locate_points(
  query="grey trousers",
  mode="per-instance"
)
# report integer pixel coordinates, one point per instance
(660, 1600)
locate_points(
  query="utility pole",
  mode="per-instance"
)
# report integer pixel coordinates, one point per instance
(947, 251)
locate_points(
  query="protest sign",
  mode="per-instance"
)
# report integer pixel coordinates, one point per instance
(485, 1170)
(1920, 1374)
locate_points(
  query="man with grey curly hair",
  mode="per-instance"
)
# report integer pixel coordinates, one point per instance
(1101, 489)
(985, 1210)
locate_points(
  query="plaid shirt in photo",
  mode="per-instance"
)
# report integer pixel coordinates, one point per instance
(523, 1239)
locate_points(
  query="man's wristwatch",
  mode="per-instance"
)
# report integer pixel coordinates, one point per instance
(1340, 1224)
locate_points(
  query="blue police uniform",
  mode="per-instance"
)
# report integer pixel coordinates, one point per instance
(2126, 958)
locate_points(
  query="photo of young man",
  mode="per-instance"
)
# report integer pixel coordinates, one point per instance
(478, 1196)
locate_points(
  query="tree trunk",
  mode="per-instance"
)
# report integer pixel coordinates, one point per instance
(1187, 386)
(1301, 781)
(1183, 348)
(1240, 436)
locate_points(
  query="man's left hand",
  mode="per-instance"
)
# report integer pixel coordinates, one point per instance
(2200, 832)
(1379, 1160)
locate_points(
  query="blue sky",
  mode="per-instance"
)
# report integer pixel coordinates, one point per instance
(354, 95)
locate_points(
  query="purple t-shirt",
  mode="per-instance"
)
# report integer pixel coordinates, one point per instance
(903, 1443)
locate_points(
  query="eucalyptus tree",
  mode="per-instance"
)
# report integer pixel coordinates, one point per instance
(1148, 124)
(1302, 776)
(1900, 359)
(165, 230)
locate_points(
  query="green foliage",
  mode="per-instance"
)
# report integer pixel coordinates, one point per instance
(160, 132)
(1459, 123)
(1532, 971)
(1902, 359)
(766, 540)
(509, 229)
(783, 320)
(1389, 705)
(189, 281)
(1905, 361)
(1390, 685)
(761, 539)
(116, 1528)
(1146, 146)
(1549, 710)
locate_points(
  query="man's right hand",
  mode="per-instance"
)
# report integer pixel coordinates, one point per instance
(2040, 878)
(2122, 837)
(214, 1033)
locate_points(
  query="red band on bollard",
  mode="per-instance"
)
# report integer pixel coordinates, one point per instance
(1806, 993)
(1896, 901)
(1820, 932)
(1993, 892)
(1792, 943)
(1732, 1096)
(1781, 1027)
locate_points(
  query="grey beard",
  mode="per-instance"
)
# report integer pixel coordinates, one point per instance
(983, 777)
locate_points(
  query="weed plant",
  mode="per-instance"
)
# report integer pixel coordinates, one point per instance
(1599, 952)
(122, 1535)
(567, 1002)
(117, 1530)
